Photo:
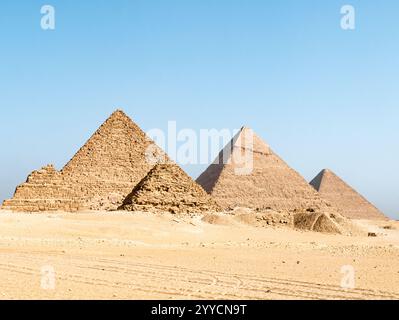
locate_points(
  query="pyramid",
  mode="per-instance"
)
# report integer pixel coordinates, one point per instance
(44, 190)
(99, 176)
(247, 173)
(341, 195)
(167, 188)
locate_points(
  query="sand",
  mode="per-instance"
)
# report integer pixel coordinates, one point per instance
(146, 256)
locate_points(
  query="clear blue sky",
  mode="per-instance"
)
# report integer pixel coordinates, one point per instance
(319, 95)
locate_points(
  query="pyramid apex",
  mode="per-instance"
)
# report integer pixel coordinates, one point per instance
(243, 128)
(118, 112)
(321, 176)
(327, 171)
(324, 171)
(244, 132)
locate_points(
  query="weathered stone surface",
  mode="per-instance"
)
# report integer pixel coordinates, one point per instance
(271, 183)
(99, 176)
(44, 190)
(342, 196)
(167, 188)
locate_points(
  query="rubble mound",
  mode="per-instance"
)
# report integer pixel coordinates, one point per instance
(266, 219)
(217, 219)
(332, 223)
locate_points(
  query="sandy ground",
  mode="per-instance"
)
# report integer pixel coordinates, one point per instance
(145, 256)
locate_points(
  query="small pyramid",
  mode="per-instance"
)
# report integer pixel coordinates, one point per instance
(167, 188)
(247, 173)
(99, 176)
(341, 195)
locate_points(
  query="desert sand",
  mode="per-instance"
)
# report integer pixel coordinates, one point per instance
(133, 255)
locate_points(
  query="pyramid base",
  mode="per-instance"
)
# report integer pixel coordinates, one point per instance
(174, 209)
(40, 205)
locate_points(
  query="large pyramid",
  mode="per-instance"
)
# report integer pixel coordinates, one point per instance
(341, 195)
(247, 173)
(167, 188)
(99, 176)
